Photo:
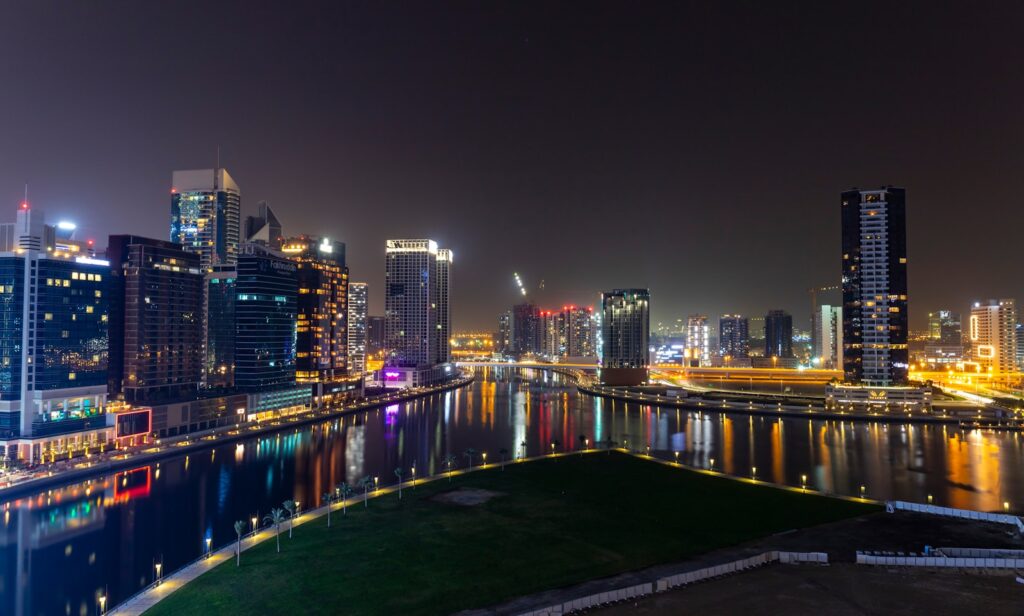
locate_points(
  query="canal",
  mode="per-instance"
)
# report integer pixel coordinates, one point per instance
(63, 548)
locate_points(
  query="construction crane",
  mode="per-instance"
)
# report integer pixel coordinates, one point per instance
(519, 283)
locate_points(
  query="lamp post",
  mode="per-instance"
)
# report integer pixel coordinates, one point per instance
(103, 604)
(753, 473)
(677, 456)
(485, 458)
(862, 491)
(803, 482)
(711, 464)
(209, 546)
(376, 484)
(158, 566)
(413, 476)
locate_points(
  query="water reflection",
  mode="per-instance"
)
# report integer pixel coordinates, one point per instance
(63, 548)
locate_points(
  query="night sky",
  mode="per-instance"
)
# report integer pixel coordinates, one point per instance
(696, 149)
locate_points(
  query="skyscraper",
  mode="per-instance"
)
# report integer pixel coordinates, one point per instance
(579, 331)
(205, 215)
(322, 309)
(264, 228)
(156, 325)
(778, 334)
(358, 304)
(733, 337)
(219, 327)
(993, 335)
(417, 312)
(827, 336)
(54, 347)
(376, 340)
(526, 331)
(265, 320)
(874, 249)
(626, 326)
(944, 327)
(698, 343)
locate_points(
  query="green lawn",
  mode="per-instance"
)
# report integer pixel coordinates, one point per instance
(559, 522)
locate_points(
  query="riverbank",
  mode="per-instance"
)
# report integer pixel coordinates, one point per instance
(742, 403)
(490, 536)
(199, 441)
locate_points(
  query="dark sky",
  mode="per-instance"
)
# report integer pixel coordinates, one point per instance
(696, 149)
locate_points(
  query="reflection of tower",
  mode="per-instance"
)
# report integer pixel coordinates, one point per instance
(355, 453)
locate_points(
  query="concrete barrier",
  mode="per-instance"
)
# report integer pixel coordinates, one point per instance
(949, 512)
(939, 561)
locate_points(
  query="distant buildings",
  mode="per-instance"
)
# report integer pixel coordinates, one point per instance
(944, 346)
(525, 330)
(993, 335)
(625, 336)
(264, 228)
(778, 334)
(416, 298)
(827, 337)
(358, 304)
(733, 338)
(375, 335)
(698, 345)
(156, 325)
(54, 315)
(205, 215)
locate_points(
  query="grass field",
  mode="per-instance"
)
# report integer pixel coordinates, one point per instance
(558, 521)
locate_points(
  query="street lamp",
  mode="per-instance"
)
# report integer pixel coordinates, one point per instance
(711, 464)
(677, 456)
(485, 458)
(376, 483)
(254, 523)
(803, 482)
(159, 566)
(648, 451)
(103, 604)
(862, 490)
(413, 476)
(1006, 506)
(753, 473)
(209, 545)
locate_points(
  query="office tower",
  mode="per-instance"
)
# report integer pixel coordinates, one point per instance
(874, 242)
(625, 334)
(698, 343)
(526, 331)
(205, 215)
(944, 327)
(375, 335)
(552, 334)
(503, 340)
(219, 327)
(417, 312)
(993, 335)
(53, 351)
(733, 337)
(264, 228)
(827, 337)
(778, 334)
(156, 325)
(578, 323)
(322, 309)
(265, 319)
(442, 346)
(358, 304)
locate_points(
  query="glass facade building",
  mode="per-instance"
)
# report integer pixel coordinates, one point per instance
(416, 298)
(265, 320)
(733, 336)
(358, 304)
(778, 334)
(626, 327)
(205, 215)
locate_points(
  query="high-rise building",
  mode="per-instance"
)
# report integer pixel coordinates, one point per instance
(358, 304)
(733, 337)
(526, 331)
(874, 248)
(993, 335)
(156, 325)
(321, 352)
(219, 327)
(264, 228)
(944, 327)
(698, 343)
(375, 335)
(827, 336)
(53, 342)
(265, 319)
(503, 340)
(778, 334)
(205, 215)
(578, 322)
(552, 334)
(625, 334)
(417, 312)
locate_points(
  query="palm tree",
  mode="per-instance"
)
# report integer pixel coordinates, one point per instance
(239, 529)
(523, 445)
(327, 499)
(398, 473)
(344, 491)
(609, 443)
(583, 442)
(449, 460)
(503, 452)
(290, 506)
(555, 444)
(365, 483)
(469, 453)
(276, 517)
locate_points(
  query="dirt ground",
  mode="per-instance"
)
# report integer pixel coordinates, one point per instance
(467, 497)
(839, 590)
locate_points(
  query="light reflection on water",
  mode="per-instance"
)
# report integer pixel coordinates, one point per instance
(62, 548)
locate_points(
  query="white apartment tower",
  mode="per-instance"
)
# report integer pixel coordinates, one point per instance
(993, 334)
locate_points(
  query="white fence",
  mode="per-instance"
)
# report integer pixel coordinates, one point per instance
(949, 512)
(980, 553)
(939, 561)
(681, 579)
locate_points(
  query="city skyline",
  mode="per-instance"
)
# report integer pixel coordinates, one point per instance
(766, 126)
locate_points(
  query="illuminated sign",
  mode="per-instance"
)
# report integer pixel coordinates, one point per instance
(392, 375)
(134, 423)
(91, 261)
(325, 246)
